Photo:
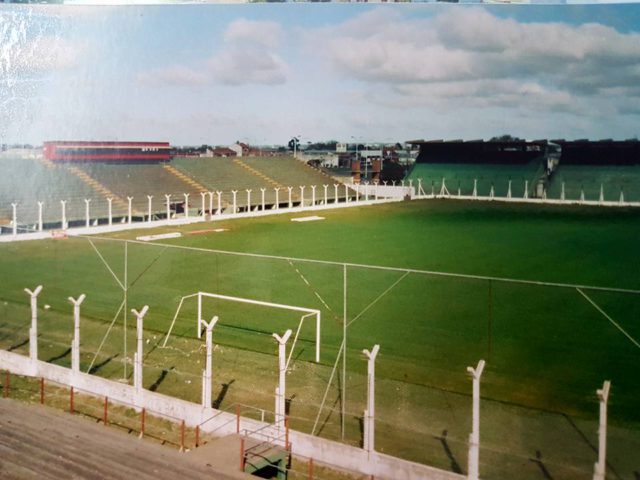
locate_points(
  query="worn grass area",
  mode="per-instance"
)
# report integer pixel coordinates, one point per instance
(547, 348)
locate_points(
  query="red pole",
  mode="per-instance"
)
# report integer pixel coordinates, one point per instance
(42, 391)
(311, 469)
(182, 436)
(197, 435)
(142, 422)
(105, 418)
(237, 418)
(242, 454)
(286, 434)
(7, 382)
(71, 400)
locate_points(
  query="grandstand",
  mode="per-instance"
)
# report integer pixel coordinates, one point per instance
(227, 174)
(479, 165)
(587, 167)
(26, 181)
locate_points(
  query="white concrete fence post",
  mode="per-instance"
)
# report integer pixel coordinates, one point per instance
(33, 331)
(526, 189)
(168, 206)
(474, 438)
(366, 191)
(204, 204)
(301, 196)
(277, 189)
(562, 194)
(474, 194)
(14, 221)
(600, 469)
(248, 190)
(40, 204)
(335, 193)
(149, 207)
(75, 345)
(219, 194)
(129, 214)
(601, 197)
(110, 210)
(346, 193)
(262, 201)
(235, 201)
(369, 413)
(325, 188)
(313, 195)
(290, 201)
(509, 190)
(211, 203)
(63, 204)
(137, 360)
(282, 370)
(87, 216)
(186, 204)
(207, 372)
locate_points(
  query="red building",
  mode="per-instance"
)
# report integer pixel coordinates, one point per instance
(116, 152)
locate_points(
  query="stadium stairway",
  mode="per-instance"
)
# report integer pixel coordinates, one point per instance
(257, 173)
(97, 186)
(188, 180)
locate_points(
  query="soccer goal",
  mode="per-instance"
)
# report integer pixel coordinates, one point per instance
(200, 296)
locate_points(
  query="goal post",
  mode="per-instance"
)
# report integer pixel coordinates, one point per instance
(306, 313)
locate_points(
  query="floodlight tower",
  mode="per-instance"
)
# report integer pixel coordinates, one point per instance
(33, 331)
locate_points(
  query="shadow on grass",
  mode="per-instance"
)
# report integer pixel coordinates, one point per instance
(98, 366)
(586, 440)
(455, 466)
(223, 393)
(160, 379)
(543, 468)
(18, 345)
(59, 357)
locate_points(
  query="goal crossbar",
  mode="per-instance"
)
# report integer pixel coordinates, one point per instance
(306, 311)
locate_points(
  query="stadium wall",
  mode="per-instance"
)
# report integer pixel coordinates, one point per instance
(223, 423)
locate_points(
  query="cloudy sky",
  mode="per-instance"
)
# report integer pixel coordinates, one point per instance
(215, 74)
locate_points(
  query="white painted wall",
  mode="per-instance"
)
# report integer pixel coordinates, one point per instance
(223, 423)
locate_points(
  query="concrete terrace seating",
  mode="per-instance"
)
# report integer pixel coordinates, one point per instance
(140, 180)
(226, 174)
(461, 176)
(27, 181)
(613, 178)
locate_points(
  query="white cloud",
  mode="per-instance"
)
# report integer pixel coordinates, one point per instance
(241, 65)
(247, 56)
(469, 57)
(263, 33)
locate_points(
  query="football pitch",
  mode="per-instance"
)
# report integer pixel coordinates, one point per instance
(547, 296)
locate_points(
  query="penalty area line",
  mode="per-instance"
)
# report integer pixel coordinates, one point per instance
(615, 324)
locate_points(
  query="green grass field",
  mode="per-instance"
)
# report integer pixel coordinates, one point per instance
(547, 348)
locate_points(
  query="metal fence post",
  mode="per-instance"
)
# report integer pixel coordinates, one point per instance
(71, 401)
(105, 418)
(42, 391)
